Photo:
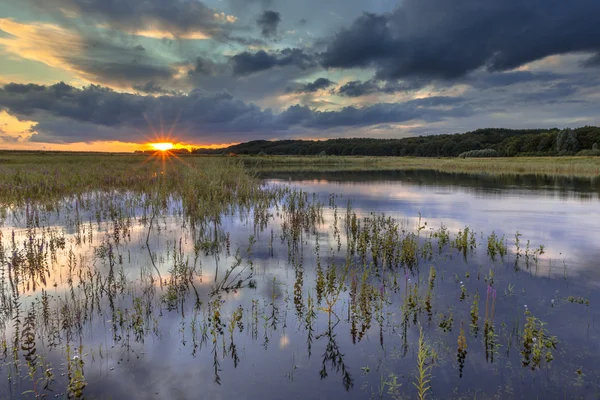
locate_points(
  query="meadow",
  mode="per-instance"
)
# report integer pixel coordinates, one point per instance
(553, 166)
(155, 276)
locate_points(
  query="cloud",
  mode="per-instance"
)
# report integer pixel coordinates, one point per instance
(246, 63)
(244, 4)
(429, 109)
(311, 87)
(205, 67)
(593, 61)
(66, 114)
(153, 88)
(488, 80)
(14, 130)
(437, 39)
(189, 19)
(96, 59)
(360, 88)
(268, 22)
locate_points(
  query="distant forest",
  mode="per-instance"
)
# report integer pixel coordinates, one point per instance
(489, 142)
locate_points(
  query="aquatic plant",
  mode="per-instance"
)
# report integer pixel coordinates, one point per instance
(461, 352)
(475, 315)
(425, 361)
(537, 344)
(489, 334)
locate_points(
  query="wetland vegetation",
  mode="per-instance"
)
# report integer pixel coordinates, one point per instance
(159, 276)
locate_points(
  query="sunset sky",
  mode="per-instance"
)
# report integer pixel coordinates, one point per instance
(111, 75)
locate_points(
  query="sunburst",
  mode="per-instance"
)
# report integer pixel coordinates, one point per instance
(163, 146)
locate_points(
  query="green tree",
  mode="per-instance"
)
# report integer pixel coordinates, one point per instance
(566, 142)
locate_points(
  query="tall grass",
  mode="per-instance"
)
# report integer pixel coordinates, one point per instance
(555, 166)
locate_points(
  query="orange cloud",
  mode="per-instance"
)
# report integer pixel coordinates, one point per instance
(13, 130)
(158, 34)
(154, 31)
(61, 49)
(42, 42)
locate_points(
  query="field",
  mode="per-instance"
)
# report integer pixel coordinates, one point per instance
(554, 166)
(137, 276)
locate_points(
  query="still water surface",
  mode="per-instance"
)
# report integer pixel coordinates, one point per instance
(271, 338)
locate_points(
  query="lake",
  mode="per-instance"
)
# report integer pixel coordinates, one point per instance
(355, 284)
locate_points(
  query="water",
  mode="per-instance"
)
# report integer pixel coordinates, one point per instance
(260, 331)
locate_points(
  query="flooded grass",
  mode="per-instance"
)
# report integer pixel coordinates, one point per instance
(177, 277)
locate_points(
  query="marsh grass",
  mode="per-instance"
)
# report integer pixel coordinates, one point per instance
(554, 166)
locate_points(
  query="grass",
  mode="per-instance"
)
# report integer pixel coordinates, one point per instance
(555, 166)
(47, 177)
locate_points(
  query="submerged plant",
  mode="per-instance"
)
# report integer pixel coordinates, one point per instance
(461, 352)
(537, 342)
(489, 335)
(475, 315)
(496, 246)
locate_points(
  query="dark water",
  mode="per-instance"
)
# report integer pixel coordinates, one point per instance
(141, 339)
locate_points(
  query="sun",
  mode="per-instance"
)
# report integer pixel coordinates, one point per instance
(162, 146)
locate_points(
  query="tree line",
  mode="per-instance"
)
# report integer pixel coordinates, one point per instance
(488, 142)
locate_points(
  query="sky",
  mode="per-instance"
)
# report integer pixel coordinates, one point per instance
(111, 75)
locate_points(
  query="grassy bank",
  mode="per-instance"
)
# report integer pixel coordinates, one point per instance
(559, 166)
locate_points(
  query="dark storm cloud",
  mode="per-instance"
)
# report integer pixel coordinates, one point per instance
(152, 87)
(61, 111)
(268, 22)
(446, 40)
(359, 88)
(246, 63)
(311, 87)
(593, 61)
